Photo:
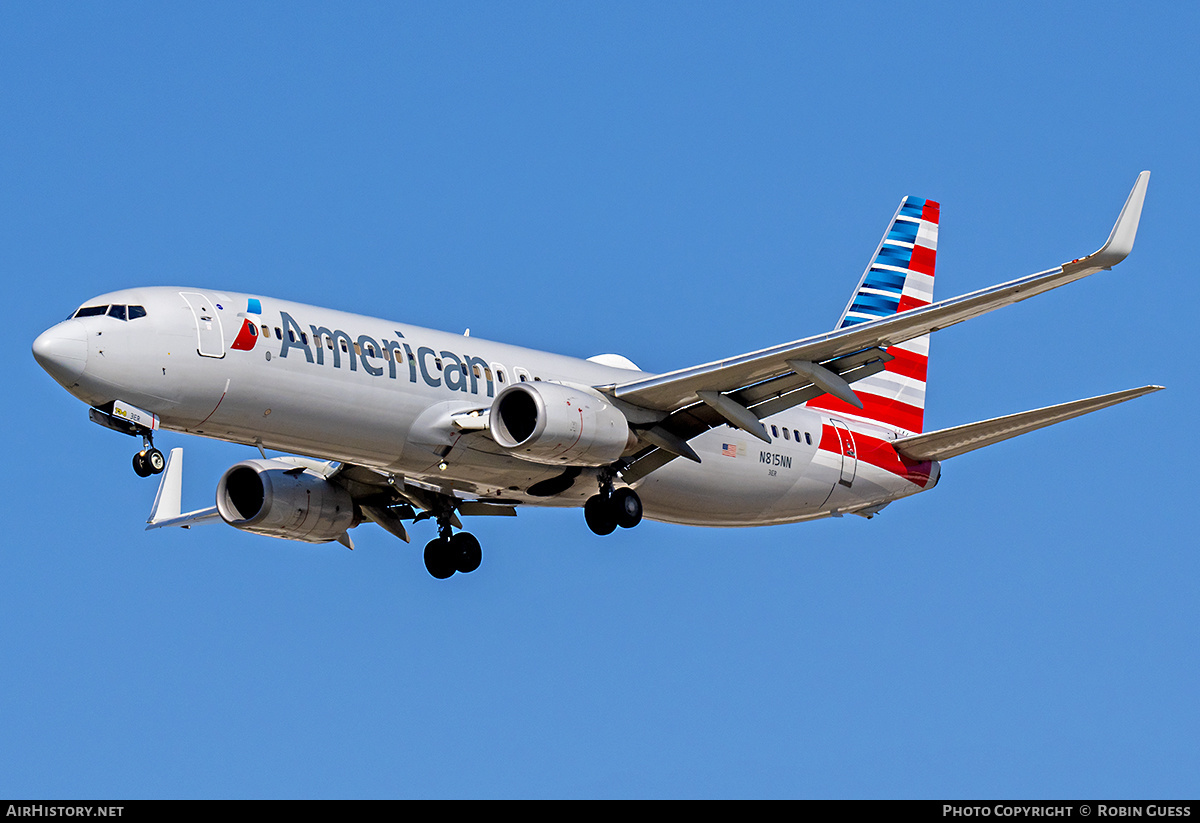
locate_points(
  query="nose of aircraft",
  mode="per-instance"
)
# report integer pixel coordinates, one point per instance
(62, 351)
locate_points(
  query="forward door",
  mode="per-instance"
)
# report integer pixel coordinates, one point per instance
(211, 337)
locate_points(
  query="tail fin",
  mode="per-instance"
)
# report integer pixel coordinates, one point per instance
(899, 278)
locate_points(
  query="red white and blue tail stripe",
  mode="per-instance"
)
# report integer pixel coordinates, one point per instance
(899, 278)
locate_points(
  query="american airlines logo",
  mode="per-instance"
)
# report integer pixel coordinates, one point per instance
(462, 373)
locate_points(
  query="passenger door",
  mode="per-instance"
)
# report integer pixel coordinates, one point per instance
(210, 336)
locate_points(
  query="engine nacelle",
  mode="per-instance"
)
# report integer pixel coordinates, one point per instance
(279, 499)
(558, 425)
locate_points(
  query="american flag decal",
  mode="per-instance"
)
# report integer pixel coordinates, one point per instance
(729, 449)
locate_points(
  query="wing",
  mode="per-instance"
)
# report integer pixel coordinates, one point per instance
(743, 389)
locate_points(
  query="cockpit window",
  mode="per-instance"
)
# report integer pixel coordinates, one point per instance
(118, 311)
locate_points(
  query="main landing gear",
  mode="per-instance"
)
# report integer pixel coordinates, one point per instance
(449, 553)
(611, 508)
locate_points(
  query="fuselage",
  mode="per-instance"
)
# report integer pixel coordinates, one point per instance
(382, 394)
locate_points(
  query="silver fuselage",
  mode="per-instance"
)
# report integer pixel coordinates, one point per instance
(378, 393)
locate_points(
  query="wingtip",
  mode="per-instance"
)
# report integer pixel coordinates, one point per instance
(167, 501)
(1124, 232)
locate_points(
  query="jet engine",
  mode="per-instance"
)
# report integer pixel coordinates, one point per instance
(281, 499)
(559, 425)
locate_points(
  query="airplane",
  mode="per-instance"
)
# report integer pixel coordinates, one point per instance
(390, 423)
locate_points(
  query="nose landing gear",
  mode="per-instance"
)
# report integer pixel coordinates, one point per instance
(125, 419)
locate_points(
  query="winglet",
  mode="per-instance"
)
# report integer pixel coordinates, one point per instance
(167, 508)
(1120, 240)
(167, 503)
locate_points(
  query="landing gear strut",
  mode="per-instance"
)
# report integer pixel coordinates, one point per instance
(449, 553)
(149, 460)
(611, 508)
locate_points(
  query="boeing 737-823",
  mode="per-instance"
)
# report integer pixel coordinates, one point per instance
(393, 423)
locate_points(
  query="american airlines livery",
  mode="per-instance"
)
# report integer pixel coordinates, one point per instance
(392, 423)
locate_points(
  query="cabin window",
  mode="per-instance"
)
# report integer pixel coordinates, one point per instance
(808, 438)
(797, 433)
(278, 333)
(487, 373)
(357, 349)
(304, 337)
(387, 354)
(475, 368)
(291, 335)
(786, 436)
(774, 431)
(343, 343)
(266, 331)
(500, 375)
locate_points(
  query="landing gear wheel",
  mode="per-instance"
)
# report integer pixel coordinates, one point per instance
(599, 515)
(154, 461)
(140, 466)
(466, 551)
(439, 559)
(626, 508)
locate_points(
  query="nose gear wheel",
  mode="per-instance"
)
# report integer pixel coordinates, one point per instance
(148, 462)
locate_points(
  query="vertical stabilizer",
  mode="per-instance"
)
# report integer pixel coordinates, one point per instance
(899, 278)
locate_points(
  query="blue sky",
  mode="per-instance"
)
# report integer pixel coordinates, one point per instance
(676, 183)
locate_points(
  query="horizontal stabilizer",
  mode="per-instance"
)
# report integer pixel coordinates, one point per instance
(946, 443)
